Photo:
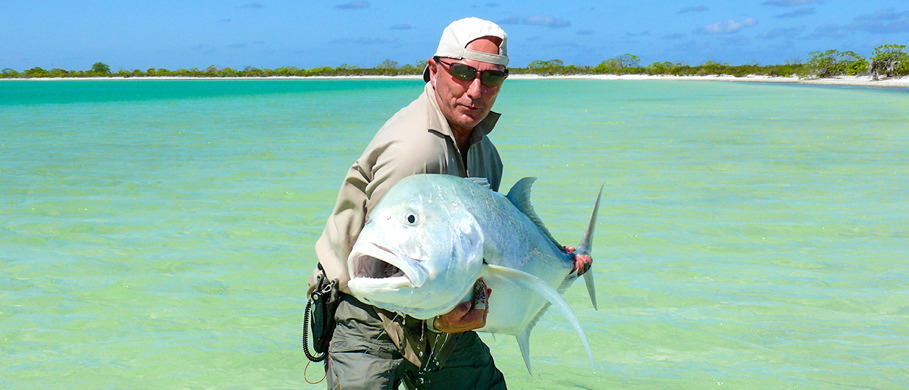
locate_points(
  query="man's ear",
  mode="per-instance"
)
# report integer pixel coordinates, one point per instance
(433, 71)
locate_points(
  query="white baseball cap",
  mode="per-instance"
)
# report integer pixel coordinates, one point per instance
(460, 33)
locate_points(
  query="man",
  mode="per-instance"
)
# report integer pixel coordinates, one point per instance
(442, 131)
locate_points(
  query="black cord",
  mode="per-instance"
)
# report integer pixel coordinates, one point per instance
(313, 357)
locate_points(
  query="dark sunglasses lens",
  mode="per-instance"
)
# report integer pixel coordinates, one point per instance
(463, 72)
(493, 78)
(489, 78)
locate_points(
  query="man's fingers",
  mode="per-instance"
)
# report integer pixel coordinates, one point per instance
(582, 263)
(460, 310)
(467, 315)
(474, 319)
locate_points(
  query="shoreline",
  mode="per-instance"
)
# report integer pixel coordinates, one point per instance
(861, 81)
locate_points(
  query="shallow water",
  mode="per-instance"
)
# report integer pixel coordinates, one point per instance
(158, 234)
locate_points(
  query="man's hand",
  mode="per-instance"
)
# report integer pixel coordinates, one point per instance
(466, 316)
(581, 263)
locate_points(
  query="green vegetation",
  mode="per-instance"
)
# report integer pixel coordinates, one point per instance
(886, 61)
(100, 68)
(889, 61)
(833, 63)
(618, 65)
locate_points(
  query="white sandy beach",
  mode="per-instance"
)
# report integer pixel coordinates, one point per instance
(864, 81)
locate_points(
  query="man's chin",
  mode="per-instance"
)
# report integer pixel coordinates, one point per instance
(469, 120)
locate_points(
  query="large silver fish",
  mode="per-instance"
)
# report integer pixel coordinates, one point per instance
(432, 236)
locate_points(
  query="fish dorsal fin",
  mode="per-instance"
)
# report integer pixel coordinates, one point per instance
(532, 283)
(481, 181)
(519, 195)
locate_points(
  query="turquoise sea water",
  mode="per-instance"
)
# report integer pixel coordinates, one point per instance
(158, 234)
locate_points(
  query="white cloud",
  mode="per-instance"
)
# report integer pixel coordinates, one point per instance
(797, 13)
(726, 27)
(243, 45)
(885, 21)
(354, 5)
(686, 10)
(888, 14)
(365, 40)
(829, 31)
(791, 3)
(793, 32)
(537, 20)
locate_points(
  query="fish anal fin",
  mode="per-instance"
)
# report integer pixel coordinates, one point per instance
(524, 345)
(530, 282)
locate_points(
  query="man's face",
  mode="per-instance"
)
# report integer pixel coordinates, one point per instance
(465, 103)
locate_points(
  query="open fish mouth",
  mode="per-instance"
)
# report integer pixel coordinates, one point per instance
(382, 264)
(366, 266)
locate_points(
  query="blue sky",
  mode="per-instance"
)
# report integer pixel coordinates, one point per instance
(271, 33)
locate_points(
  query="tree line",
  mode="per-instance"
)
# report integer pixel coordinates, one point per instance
(886, 61)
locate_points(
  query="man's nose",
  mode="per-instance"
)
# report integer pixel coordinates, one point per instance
(475, 89)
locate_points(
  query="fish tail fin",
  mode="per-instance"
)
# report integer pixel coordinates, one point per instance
(591, 290)
(586, 246)
(537, 285)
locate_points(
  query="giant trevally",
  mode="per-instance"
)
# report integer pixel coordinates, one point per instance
(431, 237)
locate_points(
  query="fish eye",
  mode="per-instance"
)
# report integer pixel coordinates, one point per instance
(411, 218)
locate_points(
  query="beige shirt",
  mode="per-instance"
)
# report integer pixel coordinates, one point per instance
(417, 139)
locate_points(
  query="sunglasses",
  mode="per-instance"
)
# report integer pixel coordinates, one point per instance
(463, 72)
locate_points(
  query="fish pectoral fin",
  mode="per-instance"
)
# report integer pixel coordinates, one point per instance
(537, 285)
